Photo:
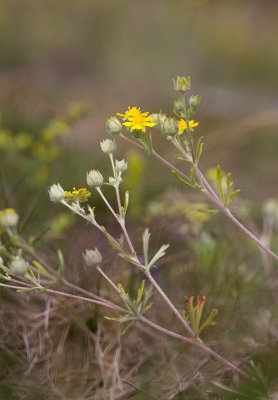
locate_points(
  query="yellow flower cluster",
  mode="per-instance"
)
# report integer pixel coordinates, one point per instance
(77, 195)
(136, 120)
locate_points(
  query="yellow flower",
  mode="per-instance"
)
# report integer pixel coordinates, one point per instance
(77, 195)
(131, 113)
(183, 127)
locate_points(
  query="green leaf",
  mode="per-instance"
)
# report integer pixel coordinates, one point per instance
(185, 159)
(127, 328)
(146, 238)
(209, 320)
(182, 180)
(199, 149)
(233, 196)
(40, 267)
(219, 177)
(126, 202)
(132, 259)
(193, 176)
(112, 244)
(160, 253)
(140, 292)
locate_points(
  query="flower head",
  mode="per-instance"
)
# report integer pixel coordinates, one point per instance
(108, 146)
(92, 257)
(56, 193)
(8, 218)
(77, 195)
(183, 126)
(182, 84)
(121, 166)
(18, 265)
(131, 113)
(113, 126)
(94, 178)
(136, 120)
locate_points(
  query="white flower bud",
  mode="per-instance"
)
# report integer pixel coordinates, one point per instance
(112, 181)
(113, 126)
(94, 178)
(56, 193)
(121, 166)
(1, 261)
(8, 218)
(194, 101)
(18, 265)
(170, 127)
(158, 119)
(92, 257)
(108, 146)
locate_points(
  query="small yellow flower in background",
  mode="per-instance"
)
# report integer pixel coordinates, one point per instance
(211, 174)
(131, 113)
(183, 127)
(77, 195)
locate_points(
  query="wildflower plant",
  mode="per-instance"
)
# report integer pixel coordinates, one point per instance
(36, 274)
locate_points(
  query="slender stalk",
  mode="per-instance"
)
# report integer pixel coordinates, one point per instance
(196, 342)
(107, 203)
(122, 223)
(109, 280)
(84, 216)
(119, 201)
(171, 166)
(170, 304)
(127, 238)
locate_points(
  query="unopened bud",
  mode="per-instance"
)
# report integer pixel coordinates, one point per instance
(112, 181)
(94, 178)
(170, 127)
(179, 106)
(108, 146)
(56, 193)
(92, 257)
(121, 166)
(8, 218)
(113, 126)
(18, 265)
(182, 84)
(194, 101)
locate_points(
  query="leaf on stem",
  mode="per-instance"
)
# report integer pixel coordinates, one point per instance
(160, 253)
(186, 182)
(146, 239)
